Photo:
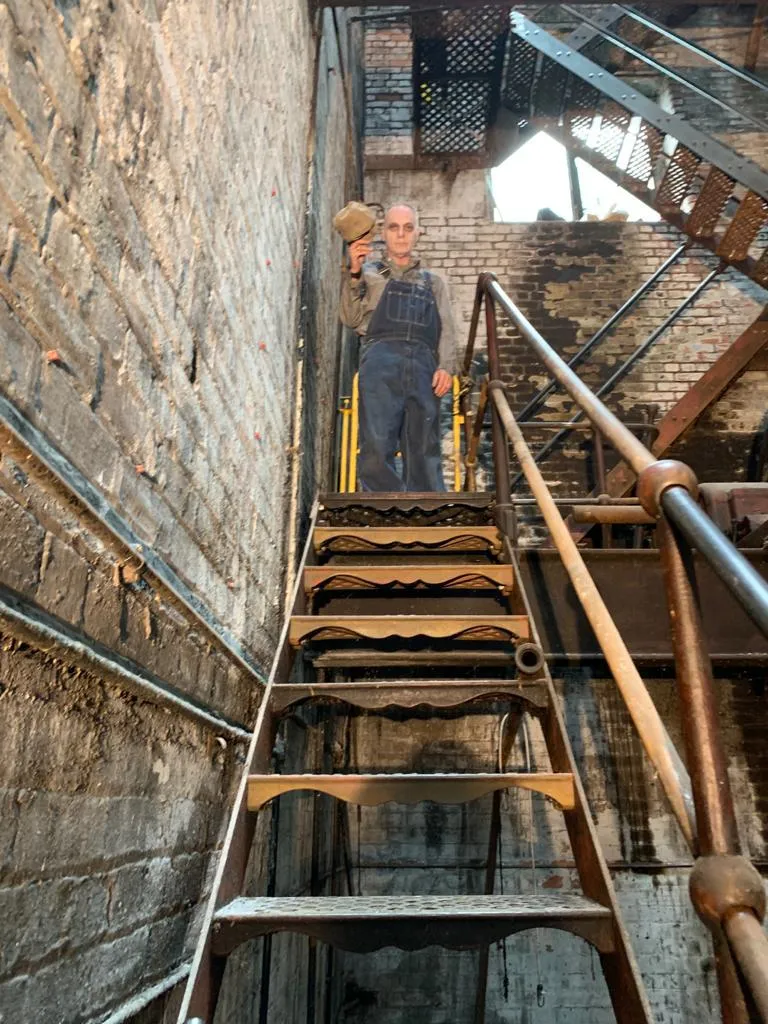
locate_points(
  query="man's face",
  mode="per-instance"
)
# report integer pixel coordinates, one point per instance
(401, 232)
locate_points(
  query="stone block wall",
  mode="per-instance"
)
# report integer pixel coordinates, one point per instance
(153, 205)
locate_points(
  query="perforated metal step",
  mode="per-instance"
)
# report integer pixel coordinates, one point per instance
(447, 577)
(458, 628)
(366, 923)
(373, 539)
(411, 693)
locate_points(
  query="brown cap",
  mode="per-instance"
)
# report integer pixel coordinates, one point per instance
(355, 223)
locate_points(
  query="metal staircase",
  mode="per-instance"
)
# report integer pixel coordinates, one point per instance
(429, 583)
(417, 601)
(466, 103)
(717, 197)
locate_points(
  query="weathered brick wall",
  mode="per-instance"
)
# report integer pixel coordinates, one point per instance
(388, 88)
(153, 204)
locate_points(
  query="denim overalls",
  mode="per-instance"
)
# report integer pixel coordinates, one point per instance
(398, 408)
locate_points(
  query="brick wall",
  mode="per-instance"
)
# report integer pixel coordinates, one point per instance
(388, 89)
(152, 233)
(388, 123)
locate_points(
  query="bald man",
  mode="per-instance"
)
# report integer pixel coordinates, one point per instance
(408, 355)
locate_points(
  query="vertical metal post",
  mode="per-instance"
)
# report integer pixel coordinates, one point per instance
(712, 795)
(500, 447)
(266, 947)
(490, 878)
(715, 815)
(575, 187)
(606, 531)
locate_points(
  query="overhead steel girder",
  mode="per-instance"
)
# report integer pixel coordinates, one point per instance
(630, 582)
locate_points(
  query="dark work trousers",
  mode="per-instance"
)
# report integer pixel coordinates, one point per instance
(398, 408)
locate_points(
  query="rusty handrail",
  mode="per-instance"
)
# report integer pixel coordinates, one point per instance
(672, 773)
(663, 485)
(726, 889)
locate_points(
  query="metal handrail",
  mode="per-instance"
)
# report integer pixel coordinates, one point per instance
(659, 747)
(634, 357)
(726, 889)
(663, 485)
(540, 397)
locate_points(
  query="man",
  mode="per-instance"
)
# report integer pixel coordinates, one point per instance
(408, 356)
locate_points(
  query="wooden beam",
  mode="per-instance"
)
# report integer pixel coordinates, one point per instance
(756, 36)
(684, 413)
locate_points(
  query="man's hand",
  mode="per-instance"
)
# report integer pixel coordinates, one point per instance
(441, 382)
(358, 252)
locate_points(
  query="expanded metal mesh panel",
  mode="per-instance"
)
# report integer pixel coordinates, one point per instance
(679, 175)
(583, 101)
(550, 89)
(750, 217)
(760, 271)
(614, 122)
(645, 153)
(458, 57)
(714, 194)
(455, 118)
(520, 66)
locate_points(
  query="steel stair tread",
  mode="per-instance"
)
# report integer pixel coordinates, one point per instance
(459, 628)
(451, 576)
(420, 500)
(437, 539)
(366, 923)
(412, 693)
(472, 657)
(370, 790)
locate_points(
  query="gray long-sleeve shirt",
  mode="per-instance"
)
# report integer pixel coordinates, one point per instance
(360, 296)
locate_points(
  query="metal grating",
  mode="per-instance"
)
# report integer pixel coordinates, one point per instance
(645, 153)
(678, 178)
(517, 94)
(454, 116)
(715, 193)
(458, 57)
(614, 122)
(547, 904)
(583, 101)
(750, 217)
(549, 89)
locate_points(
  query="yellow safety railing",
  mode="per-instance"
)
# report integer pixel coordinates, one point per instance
(349, 408)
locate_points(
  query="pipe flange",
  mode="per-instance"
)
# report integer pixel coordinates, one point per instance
(721, 885)
(658, 477)
(529, 658)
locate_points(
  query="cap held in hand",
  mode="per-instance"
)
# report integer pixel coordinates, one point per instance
(355, 223)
